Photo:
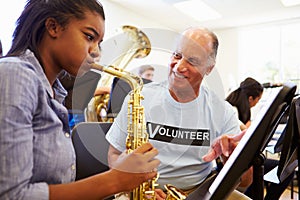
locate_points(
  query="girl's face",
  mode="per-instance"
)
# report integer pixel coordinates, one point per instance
(254, 101)
(76, 45)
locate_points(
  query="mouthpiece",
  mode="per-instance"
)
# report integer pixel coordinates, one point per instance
(97, 67)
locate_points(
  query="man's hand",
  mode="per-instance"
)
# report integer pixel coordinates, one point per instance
(223, 146)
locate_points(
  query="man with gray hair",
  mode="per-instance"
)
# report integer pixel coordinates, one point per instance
(186, 121)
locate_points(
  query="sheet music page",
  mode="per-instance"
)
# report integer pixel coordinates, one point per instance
(242, 143)
(271, 176)
(272, 145)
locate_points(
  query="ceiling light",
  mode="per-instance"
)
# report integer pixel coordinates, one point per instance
(288, 3)
(197, 9)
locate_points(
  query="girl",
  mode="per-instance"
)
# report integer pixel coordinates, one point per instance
(36, 153)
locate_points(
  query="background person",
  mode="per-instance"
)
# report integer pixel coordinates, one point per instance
(146, 72)
(183, 103)
(36, 152)
(244, 98)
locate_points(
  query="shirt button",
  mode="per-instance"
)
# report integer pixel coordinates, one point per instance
(73, 167)
(67, 134)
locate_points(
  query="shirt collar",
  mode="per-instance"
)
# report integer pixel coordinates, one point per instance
(57, 88)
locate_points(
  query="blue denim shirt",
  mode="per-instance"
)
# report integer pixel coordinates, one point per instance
(35, 142)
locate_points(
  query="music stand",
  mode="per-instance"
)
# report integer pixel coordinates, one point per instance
(290, 149)
(249, 149)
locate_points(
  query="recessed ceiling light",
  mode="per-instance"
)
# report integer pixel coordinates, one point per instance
(288, 3)
(197, 9)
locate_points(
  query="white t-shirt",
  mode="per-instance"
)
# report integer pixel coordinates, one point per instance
(182, 132)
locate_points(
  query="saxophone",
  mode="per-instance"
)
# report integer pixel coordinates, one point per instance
(174, 193)
(136, 128)
(140, 47)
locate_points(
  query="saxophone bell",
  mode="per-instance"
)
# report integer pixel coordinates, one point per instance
(137, 46)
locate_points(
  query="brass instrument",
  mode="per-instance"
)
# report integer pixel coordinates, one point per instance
(137, 134)
(139, 48)
(174, 193)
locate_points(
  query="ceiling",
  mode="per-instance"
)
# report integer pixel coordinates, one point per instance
(234, 13)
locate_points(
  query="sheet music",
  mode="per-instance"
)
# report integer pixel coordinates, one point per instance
(271, 176)
(272, 145)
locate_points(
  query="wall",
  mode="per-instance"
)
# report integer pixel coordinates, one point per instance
(227, 58)
(117, 16)
(9, 13)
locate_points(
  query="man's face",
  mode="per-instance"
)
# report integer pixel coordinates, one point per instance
(189, 63)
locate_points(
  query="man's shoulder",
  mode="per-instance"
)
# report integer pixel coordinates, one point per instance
(215, 101)
(211, 94)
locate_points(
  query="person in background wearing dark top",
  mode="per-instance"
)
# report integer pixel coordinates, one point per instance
(243, 99)
(146, 72)
(36, 152)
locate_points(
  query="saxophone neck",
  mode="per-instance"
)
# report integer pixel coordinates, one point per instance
(135, 82)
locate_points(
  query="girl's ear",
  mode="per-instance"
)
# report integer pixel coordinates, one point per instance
(52, 27)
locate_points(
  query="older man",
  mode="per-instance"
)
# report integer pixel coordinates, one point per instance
(184, 117)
